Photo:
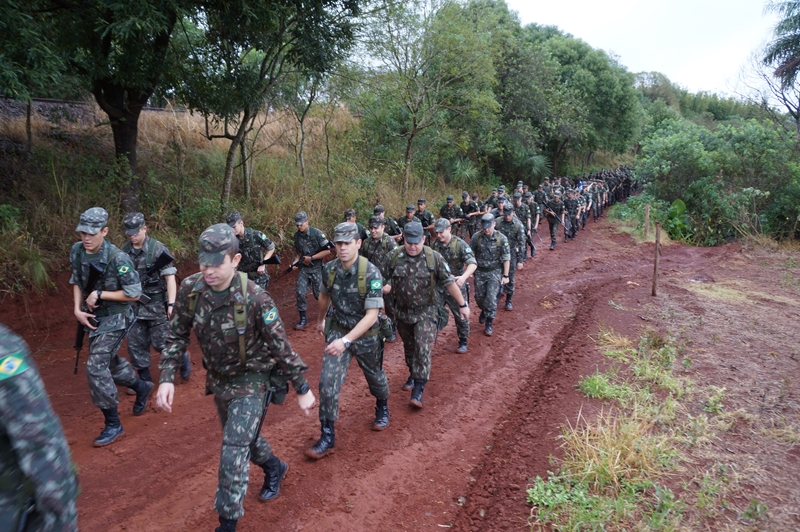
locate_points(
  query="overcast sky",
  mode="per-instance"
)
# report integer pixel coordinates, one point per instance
(698, 44)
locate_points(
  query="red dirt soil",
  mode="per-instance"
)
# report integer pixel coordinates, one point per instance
(490, 421)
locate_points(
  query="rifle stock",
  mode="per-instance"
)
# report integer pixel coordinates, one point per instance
(326, 247)
(95, 272)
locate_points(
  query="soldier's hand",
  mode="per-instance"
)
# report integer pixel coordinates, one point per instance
(460, 280)
(91, 300)
(464, 311)
(307, 261)
(321, 327)
(504, 280)
(335, 348)
(519, 266)
(165, 395)
(261, 269)
(386, 288)
(305, 401)
(83, 318)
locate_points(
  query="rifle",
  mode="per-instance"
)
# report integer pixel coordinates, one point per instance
(163, 260)
(296, 263)
(536, 232)
(95, 272)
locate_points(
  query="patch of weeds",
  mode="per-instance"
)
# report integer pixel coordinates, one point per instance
(711, 490)
(602, 386)
(616, 306)
(788, 281)
(696, 431)
(609, 339)
(755, 510)
(713, 404)
(790, 263)
(665, 511)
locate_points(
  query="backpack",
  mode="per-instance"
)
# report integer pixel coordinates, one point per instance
(431, 263)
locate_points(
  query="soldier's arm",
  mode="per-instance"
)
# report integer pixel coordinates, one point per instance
(80, 315)
(270, 327)
(128, 278)
(180, 328)
(172, 293)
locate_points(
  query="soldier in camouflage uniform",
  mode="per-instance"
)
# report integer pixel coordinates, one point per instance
(493, 255)
(351, 329)
(413, 273)
(555, 215)
(37, 481)
(350, 216)
(571, 217)
(241, 365)
(407, 219)
(510, 226)
(376, 249)
(524, 216)
(462, 264)
(472, 213)
(255, 248)
(109, 306)
(152, 324)
(491, 201)
(452, 213)
(391, 228)
(310, 247)
(426, 218)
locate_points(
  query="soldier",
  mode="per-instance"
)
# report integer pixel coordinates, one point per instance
(497, 212)
(350, 216)
(353, 287)
(426, 218)
(555, 215)
(376, 249)
(310, 247)
(462, 264)
(152, 324)
(452, 213)
(524, 216)
(243, 341)
(471, 213)
(491, 201)
(37, 485)
(391, 228)
(493, 256)
(255, 248)
(510, 226)
(413, 273)
(535, 214)
(408, 218)
(571, 216)
(107, 316)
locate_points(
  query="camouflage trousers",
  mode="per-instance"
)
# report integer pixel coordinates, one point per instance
(553, 222)
(487, 286)
(104, 369)
(508, 288)
(239, 417)
(417, 344)
(142, 335)
(261, 279)
(307, 279)
(462, 325)
(367, 352)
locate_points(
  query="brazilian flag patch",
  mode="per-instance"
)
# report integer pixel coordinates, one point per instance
(122, 270)
(12, 365)
(270, 316)
(375, 284)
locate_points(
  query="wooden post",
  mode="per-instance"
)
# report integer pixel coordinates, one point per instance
(647, 221)
(658, 254)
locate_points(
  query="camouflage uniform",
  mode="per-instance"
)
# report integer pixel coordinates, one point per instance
(239, 393)
(490, 253)
(104, 368)
(253, 245)
(309, 277)
(571, 227)
(453, 211)
(35, 464)
(416, 304)
(151, 326)
(523, 213)
(376, 252)
(457, 254)
(515, 233)
(470, 222)
(348, 307)
(553, 220)
(426, 218)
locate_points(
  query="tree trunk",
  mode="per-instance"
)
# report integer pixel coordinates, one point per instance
(236, 141)
(407, 163)
(300, 151)
(327, 147)
(245, 172)
(125, 135)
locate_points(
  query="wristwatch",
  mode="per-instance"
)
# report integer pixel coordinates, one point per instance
(346, 342)
(99, 293)
(465, 305)
(505, 275)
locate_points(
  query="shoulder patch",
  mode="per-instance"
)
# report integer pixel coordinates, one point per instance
(12, 365)
(271, 315)
(122, 270)
(467, 249)
(375, 284)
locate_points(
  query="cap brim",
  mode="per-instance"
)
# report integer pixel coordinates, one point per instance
(88, 229)
(210, 258)
(131, 232)
(413, 240)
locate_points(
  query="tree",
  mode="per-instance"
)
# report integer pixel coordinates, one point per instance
(783, 53)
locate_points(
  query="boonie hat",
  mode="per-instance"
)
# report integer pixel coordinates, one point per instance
(413, 233)
(441, 224)
(133, 222)
(487, 220)
(376, 221)
(214, 244)
(345, 232)
(233, 218)
(92, 221)
(300, 218)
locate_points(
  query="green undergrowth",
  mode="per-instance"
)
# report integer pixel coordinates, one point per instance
(624, 468)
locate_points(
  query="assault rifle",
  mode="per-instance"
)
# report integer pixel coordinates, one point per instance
(162, 261)
(326, 247)
(95, 272)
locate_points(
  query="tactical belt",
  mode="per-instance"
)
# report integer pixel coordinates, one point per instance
(102, 312)
(244, 378)
(159, 296)
(372, 332)
(488, 269)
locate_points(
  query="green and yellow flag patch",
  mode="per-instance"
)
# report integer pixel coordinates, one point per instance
(375, 284)
(122, 270)
(12, 365)
(270, 316)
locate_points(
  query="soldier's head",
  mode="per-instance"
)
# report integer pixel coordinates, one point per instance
(525, 188)
(527, 197)
(517, 198)
(487, 224)
(443, 230)
(379, 211)
(501, 201)
(234, 219)
(349, 215)
(475, 196)
(377, 224)
(450, 200)
(301, 221)
(93, 228)
(421, 204)
(508, 213)
(465, 196)
(347, 242)
(494, 192)
(519, 185)
(410, 210)
(413, 236)
(218, 256)
(135, 228)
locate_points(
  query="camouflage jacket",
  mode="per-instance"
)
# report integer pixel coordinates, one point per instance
(154, 287)
(34, 456)
(523, 213)
(515, 234)
(215, 328)
(348, 306)
(457, 254)
(253, 245)
(490, 251)
(392, 229)
(310, 243)
(453, 212)
(469, 208)
(377, 250)
(571, 205)
(558, 209)
(414, 298)
(403, 220)
(425, 217)
(119, 273)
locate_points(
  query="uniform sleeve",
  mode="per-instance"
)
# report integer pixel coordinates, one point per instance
(326, 270)
(180, 326)
(374, 296)
(323, 241)
(264, 242)
(75, 276)
(505, 252)
(170, 268)
(467, 255)
(270, 327)
(127, 275)
(442, 272)
(387, 270)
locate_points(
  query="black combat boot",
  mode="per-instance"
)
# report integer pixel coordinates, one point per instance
(394, 332)
(533, 251)
(144, 374)
(226, 525)
(416, 393)
(381, 414)
(324, 446)
(552, 245)
(143, 389)
(113, 429)
(302, 323)
(488, 329)
(462, 345)
(274, 471)
(186, 366)
(409, 383)
(509, 306)
(482, 318)
(566, 238)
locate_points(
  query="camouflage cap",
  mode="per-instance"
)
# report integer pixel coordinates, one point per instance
(440, 225)
(487, 220)
(517, 195)
(214, 244)
(300, 218)
(410, 208)
(421, 201)
(475, 195)
(233, 218)
(133, 222)
(501, 188)
(349, 213)
(508, 209)
(377, 221)
(345, 232)
(450, 198)
(378, 209)
(527, 195)
(465, 194)
(502, 197)
(413, 233)
(92, 221)
(494, 190)
(519, 183)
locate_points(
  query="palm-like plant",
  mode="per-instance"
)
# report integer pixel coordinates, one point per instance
(783, 53)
